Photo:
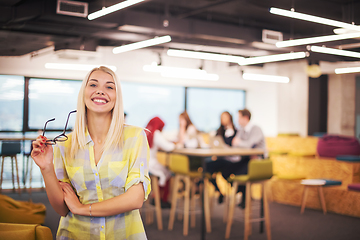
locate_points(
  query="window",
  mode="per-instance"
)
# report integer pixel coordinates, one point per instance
(50, 98)
(144, 101)
(205, 105)
(11, 102)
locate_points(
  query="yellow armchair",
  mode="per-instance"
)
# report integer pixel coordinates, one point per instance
(14, 231)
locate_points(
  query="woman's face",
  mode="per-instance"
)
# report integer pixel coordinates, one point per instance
(225, 119)
(100, 92)
(182, 122)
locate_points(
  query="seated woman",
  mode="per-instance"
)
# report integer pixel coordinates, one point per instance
(157, 141)
(228, 131)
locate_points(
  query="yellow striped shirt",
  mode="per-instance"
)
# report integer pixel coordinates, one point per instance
(117, 170)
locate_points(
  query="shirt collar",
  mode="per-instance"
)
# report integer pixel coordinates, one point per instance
(87, 136)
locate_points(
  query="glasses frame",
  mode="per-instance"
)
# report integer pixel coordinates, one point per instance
(62, 137)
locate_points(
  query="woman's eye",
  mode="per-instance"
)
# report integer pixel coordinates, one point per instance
(109, 87)
(92, 85)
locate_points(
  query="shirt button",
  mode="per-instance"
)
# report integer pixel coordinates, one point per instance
(100, 199)
(142, 164)
(96, 174)
(98, 187)
(102, 226)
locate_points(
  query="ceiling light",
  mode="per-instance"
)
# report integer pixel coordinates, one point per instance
(272, 58)
(347, 70)
(314, 19)
(176, 72)
(113, 8)
(265, 78)
(142, 44)
(335, 51)
(79, 67)
(311, 40)
(203, 55)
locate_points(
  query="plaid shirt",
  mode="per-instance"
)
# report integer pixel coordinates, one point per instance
(117, 170)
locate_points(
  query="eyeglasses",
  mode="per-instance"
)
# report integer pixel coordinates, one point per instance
(61, 137)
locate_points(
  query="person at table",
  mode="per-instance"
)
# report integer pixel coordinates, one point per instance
(158, 141)
(227, 131)
(189, 138)
(248, 136)
(98, 178)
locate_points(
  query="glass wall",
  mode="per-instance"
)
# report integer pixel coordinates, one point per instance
(144, 101)
(205, 106)
(50, 98)
(11, 102)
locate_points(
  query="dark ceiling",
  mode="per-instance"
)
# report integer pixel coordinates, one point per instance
(235, 26)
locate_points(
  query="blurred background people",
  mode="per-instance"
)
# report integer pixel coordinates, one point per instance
(227, 129)
(158, 142)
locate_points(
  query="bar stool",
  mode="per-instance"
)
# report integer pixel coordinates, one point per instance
(259, 171)
(149, 209)
(179, 164)
(10, 149)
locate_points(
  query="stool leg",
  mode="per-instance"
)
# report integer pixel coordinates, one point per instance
(322, 199)
(155, 183)
(230, 213)
(173, 202)
(207, 205)
(2, 171)
(12, 173)
(247, 210)
(306, 189)
(227, 201)
(17, 175)
(266, 213)
(186, 205)
(192, 204)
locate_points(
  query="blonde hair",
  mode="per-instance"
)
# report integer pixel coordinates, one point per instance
(114, 135)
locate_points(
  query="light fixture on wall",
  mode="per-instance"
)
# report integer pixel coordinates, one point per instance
(205, 56)
(272, 58)
(265, 78)
(328, 38)
(142, 44)
(335, 51)
(315, 19)
(113, 8)
(78, 67)
(347, 70)
(176, 72)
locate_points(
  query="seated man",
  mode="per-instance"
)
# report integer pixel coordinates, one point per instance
(249, 136)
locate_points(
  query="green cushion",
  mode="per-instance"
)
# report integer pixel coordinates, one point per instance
(257, 170)
(348, 158)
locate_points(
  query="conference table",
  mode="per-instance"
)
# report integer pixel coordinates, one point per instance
(205, 153)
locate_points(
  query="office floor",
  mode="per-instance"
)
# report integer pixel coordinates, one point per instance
(286, 223)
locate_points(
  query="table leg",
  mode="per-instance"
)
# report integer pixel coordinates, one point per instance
(203, 231)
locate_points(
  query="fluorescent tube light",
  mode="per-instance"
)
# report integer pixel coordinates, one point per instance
(113, 8)
(265, 78)
(335, 51)
(79, 67)
(311, 40)
(347, 70)
(314, 19)
(205, 56)
(272, 58)
(142, 44)
(176, 72)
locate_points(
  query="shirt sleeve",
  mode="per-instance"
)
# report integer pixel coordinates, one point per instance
(162, 143)
(139, 164)
(59, 166)
(255, 137)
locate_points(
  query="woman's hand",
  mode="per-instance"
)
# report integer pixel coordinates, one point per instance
(42, 153)
(72, 200)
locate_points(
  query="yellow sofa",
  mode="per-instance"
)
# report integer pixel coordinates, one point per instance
(13, 231)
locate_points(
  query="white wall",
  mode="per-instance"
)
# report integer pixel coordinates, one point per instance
(275, 107)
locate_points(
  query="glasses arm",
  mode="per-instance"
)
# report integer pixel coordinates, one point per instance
(67, 120)
(53, 119)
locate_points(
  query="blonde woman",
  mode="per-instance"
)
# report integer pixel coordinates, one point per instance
(98, 178)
